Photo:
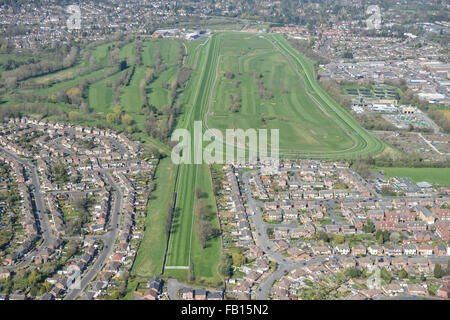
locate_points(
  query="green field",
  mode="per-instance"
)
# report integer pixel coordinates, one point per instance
(311, 123)
(432, 175)
(149, 260)
(302, 125)
(206, 260)
(100, 95)
(168, 48)
(184, 248)
(101, 53)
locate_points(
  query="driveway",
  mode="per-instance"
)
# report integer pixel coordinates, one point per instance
(173, 286)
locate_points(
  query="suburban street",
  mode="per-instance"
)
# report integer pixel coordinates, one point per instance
(108, 239)
(45, 228)
(44, 223)
(262, 240)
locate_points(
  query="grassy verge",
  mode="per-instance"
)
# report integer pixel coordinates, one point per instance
(150, 256)
(206, 260)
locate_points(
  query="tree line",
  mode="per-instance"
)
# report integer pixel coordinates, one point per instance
(26, 71)
(21, 109)
(203, 227)
(161, 128)
(263, 92)
(170, 215)
(235, 103)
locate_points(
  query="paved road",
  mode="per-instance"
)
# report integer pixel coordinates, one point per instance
(430, 144)
(366, 184)
(330, 212)
(44, 223)
(433, 125)
(118, 145)
(74, 192)
(266, 245)
(323, 49)
(265, 286)
(108, 239)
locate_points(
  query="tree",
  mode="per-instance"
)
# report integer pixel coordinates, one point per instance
(386, 275)
(74, 92)
(238, 259)
(394, 237)
(85, 108)
(199, 193)
(202, 209)
(81, 205)
(438, 271)
(131, 129)
(382, 236)
(387, 191)
(205, 231)
(118, 110)
(423, 277)
(169, 217)
(191, 275)
(72, 248)
(403, 274)
(380, 239)
(369, 226)
(33, 278)
(229, 75)
(339, 239)
(34, 291)
(127, 119)
(348, 55)
(226, 268)
(385, 236)
(11, 82)
(74, 116)
(323, 236)
(115, 295)
(448, 267)
(124, 276)
(123, 65)
(226, 271)
(110, 117)
(352, 272)
(74, 227)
